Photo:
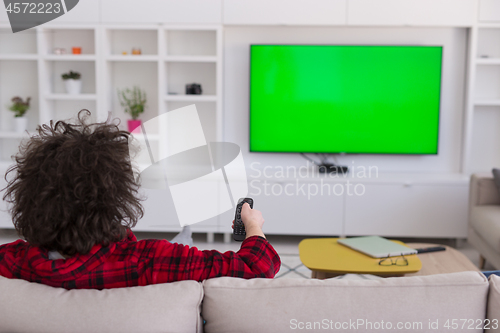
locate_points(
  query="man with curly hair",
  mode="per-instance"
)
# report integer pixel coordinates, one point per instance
(74, 198)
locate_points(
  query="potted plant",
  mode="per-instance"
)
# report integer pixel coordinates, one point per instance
(19, 107)
(134, 102)
(73, 82)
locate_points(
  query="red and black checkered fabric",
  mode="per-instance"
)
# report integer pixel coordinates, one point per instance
(137, 263)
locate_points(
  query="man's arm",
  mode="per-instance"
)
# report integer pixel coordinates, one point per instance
(176, 262)
(256, 257)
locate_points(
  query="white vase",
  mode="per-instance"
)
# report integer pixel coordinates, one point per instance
(73, 87)
(20, 124)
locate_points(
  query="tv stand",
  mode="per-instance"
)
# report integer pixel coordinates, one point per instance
(332, 168)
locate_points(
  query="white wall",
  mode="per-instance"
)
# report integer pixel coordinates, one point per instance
(236, 88)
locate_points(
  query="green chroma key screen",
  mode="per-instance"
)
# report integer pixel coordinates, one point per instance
(350, 99)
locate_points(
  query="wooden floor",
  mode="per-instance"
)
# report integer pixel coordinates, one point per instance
(449, 261)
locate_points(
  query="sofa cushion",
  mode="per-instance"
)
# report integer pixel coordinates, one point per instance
(485, 220)
(494, 303)
(262, 305)
(32, 307)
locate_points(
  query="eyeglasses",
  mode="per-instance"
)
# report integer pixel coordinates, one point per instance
(401, 261)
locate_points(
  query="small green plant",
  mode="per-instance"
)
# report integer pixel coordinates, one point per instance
(71, 76)
(19, 107)
(133, 100)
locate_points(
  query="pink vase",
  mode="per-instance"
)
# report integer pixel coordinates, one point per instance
(133, 124)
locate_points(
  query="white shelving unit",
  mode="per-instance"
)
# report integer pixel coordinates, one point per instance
(172, 56)
(18, 77)
(190, 51)
(54, 102)
(482, 135)
(194, 54)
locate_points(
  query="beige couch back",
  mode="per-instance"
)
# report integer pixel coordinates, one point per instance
(259, 305)
(494, 304)
(32, 307)
(282, 305)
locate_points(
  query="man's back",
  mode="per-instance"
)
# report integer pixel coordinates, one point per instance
(74, 191)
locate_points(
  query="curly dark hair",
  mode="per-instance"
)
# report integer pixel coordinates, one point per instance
(74, 186)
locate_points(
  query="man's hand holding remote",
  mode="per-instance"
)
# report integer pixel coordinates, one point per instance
(253, 221)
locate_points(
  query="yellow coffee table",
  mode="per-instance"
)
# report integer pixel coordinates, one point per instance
(324, 256)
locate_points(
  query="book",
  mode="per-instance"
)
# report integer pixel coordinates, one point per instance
(376, 246)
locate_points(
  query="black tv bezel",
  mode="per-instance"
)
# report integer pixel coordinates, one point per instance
(341, 152)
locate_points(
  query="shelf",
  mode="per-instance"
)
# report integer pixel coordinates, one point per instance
(131, 57)
(125, 39)
(70, 57)
(488, 48)
(56, 85)
(171, 58)
(5, 164)
(18, 57)
(489, 25)
(491, 102)
(191, 98)
(18, 78)
(151, 137)
(488, 61)
(13, 135)
(23, 42)
(54, 38)
(179, 74)
(191, 42)
(67, 97)
(191, 59)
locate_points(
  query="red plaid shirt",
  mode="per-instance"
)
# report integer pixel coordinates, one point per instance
(137, 263)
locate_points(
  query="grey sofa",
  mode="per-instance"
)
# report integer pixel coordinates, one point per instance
(258, 305)
(484, 218)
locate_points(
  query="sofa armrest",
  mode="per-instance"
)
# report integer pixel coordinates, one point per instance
(483, 191)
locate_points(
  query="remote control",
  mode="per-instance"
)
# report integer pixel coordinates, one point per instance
(239, 233)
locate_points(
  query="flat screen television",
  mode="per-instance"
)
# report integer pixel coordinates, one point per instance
(345, 99)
